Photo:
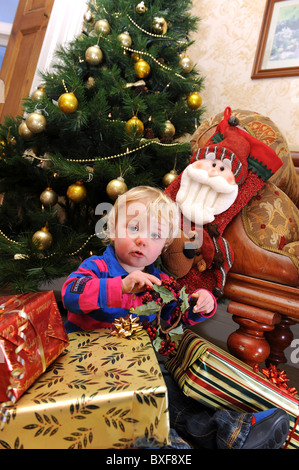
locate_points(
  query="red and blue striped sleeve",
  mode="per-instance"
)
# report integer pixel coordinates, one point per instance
(90, 288)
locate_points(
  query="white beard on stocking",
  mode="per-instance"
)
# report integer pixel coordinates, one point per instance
(201, 197)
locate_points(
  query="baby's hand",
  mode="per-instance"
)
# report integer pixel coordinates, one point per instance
(205, 301)
(137, 282)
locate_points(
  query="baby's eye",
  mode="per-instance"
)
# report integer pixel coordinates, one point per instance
(213, 164)
(222, 168)
(133, 228)
(155, 235)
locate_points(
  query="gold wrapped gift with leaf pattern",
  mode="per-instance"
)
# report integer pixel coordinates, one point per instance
(103, 392)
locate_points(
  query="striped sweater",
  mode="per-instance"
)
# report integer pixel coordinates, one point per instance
(93, 295)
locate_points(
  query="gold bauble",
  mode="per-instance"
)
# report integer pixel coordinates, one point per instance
(159, 25)
(116, 188)
(48, 197)
(103, 27)
(94, 55)
(68, 103)
(24, 132)
(135, 56)
(142, 68)
(90, 82)
(125, 39)
(194, 100)
(134, 125)
(89, 17)
(36, 122)
(42, 238)
(39, 94)
(141, 8)
(186, 64)
(76, 192)
(169, 178)
(2, 153)
(169, 129)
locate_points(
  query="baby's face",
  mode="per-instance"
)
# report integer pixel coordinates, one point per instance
(139, 237)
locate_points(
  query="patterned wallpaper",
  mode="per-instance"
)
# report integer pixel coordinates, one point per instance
(224, 51)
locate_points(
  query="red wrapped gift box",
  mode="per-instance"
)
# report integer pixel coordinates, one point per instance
(32, 336)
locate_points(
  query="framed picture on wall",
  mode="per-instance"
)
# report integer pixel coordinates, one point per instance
(277, 53)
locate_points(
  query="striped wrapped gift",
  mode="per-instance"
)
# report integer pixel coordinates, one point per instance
(219, 380)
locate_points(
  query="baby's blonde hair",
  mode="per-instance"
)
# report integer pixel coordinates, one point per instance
(155, 201)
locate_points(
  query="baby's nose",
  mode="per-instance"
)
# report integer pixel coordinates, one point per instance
(140, 240)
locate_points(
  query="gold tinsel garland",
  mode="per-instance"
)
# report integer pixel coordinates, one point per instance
(52, 254)
(141, 53)
(99, 159)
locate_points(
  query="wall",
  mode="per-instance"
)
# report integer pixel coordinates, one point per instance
(224, 52)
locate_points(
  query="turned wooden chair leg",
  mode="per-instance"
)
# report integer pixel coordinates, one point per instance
(279, 339)
(248, 343)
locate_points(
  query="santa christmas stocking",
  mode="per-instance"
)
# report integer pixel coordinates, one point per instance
(252, 163)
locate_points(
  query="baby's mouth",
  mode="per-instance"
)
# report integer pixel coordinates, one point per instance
(137, 254)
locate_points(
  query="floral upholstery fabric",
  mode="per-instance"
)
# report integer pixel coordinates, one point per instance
(271, 218)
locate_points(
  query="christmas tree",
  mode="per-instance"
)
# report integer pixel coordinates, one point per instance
(112, 113)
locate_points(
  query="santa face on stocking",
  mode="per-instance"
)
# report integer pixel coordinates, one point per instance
(208, 188)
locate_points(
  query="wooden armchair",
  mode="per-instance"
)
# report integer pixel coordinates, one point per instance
(263, 283)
